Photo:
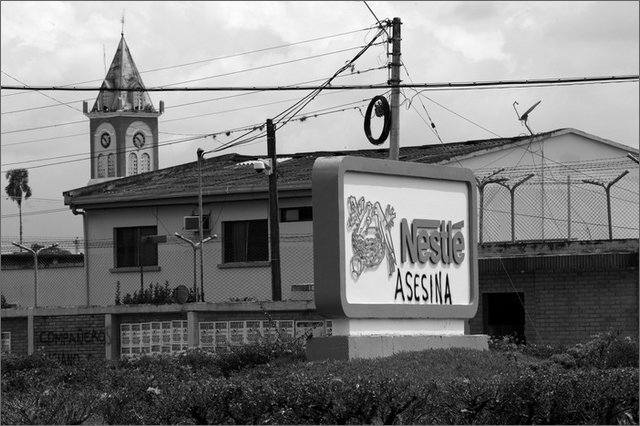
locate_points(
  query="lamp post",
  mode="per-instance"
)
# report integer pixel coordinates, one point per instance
(197, 246)
(35, 261)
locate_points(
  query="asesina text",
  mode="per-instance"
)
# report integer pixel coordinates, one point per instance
(435, 242)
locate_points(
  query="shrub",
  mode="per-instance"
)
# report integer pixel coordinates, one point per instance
(607, 350)
(444, 386)
(57, 404)
(603, 351)
(281, 349)
(155, 294)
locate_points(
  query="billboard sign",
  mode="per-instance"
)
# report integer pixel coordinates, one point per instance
(394, 239)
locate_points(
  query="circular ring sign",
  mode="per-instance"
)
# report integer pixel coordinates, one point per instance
(386, 112)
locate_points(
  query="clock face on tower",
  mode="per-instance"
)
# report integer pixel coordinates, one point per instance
(138, 140)
(105, 140)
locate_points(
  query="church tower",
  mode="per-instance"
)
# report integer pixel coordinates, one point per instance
(123, 123)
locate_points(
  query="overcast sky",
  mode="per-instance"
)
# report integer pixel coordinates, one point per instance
(245, 44)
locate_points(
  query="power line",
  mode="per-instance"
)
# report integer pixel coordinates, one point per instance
(426, 86)
(43, 139)
(249, 128)
(263, 67)
(43, 94)
(164, 121)
(220, 57)
(434, 86)
(186, 81)
(285, 116)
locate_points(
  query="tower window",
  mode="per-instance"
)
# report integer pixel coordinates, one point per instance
(137, 100)
(133, 164)
(102, 166)
(111, 165)
(145, 163)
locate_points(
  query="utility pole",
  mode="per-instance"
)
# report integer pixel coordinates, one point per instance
(200, 154)
(394, 144)
(274, 220)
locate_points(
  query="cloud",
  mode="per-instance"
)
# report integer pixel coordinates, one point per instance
(477, 47)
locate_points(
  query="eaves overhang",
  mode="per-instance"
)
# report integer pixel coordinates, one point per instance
(226, 193)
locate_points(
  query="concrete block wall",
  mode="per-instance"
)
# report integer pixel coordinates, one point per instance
(74, 334)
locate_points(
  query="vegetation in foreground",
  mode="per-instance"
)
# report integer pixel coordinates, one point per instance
(271, 383)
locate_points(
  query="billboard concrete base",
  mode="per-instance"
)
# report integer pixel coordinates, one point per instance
(352, 347)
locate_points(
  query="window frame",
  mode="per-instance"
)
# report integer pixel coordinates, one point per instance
(304, 214)
(252, 254)
(149, 250)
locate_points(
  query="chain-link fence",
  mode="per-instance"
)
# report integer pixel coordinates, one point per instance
(581, 201)
(571, 201)
(61, 274)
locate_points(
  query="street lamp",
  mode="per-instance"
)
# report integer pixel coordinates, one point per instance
(195, 250)
(35, 261)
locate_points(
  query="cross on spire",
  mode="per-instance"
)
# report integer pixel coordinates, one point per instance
(122, 21)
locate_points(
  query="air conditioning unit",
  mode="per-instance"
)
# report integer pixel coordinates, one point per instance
(190, 223)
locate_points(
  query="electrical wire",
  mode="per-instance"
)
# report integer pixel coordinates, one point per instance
(474, 85)
(43, 94)
(286, 115)
(219, 57)
(164, 121)
(246, 129)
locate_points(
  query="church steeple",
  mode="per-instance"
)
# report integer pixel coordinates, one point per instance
(122, 88)
(123, 122)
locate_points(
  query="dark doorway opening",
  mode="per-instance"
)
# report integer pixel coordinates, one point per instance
(504, 315)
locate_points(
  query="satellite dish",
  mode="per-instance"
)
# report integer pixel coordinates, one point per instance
(181, 294)
(524, 117)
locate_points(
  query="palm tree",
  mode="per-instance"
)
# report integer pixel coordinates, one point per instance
(18, 189)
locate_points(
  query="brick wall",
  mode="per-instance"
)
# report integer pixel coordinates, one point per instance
(70, 338)
(18, 329)
(567, 298)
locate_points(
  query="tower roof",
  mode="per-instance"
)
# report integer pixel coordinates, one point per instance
(123, 74)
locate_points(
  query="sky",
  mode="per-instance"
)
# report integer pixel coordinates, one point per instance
(275, 43)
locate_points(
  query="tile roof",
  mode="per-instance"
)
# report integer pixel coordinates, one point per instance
(234, 173)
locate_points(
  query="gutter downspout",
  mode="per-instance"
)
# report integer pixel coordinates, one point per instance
(86, 249)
